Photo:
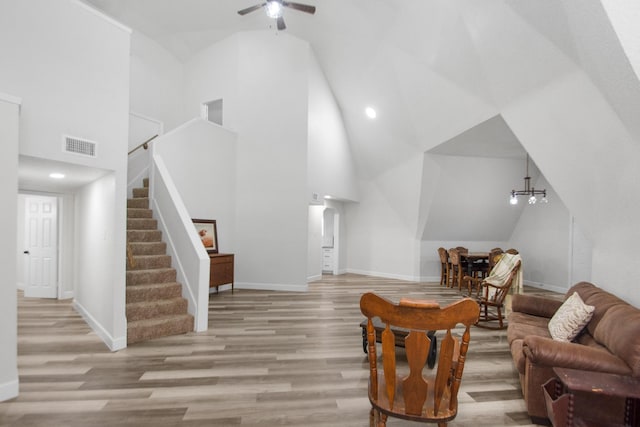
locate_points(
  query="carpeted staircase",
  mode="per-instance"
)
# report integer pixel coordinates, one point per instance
(155, 307)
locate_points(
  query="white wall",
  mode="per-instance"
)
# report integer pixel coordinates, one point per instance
(331, 167)
(99, 272)
(543, 238)
(156, 82)
(213, 74)
(382, 228)
(272, 206)
(9, 125)
(70, 66)
(263, 81)
(201, 157)
(314, 249)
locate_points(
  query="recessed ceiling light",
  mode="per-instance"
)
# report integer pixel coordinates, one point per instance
(370, 112)
(56, 175)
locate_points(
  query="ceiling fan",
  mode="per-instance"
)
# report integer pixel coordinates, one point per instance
(274, 8)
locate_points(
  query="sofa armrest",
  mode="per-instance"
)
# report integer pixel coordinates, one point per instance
(535, 305)
(545, 351)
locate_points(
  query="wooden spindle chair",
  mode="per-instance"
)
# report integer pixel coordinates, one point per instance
(444, 266)
(456, 270)
(394, 392)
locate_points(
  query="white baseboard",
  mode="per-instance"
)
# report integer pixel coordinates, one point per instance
(314, 278)
(385, 275)
(9, 390)
(221, 288)
(114, 344)
(553, 288)
(272, 287)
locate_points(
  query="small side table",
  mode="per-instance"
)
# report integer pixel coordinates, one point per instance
(221, 270)
(559, 394)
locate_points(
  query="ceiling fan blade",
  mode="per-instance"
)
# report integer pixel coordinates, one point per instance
(251, 9)
(301, 7)
(280, 22)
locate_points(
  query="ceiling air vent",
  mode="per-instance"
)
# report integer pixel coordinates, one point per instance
(79, 146)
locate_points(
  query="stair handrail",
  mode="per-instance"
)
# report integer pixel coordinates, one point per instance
(144, 145)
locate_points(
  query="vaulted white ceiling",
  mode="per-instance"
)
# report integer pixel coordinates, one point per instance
(430, 68)
(443, 75)
(414, 61)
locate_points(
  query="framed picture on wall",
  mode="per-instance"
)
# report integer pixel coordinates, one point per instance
(206, 229)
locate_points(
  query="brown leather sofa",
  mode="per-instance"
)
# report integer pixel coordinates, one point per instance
(609, 343)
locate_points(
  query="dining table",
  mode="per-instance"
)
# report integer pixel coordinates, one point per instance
(475, 261)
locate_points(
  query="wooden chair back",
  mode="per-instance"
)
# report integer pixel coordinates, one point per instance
(494, 256)
(444, 266)
(455, 268)
(401, 390)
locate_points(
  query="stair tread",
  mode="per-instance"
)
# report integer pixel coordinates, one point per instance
(149, 256)
(158, 320)
(155, 270)
(155, 302)
(153, 285)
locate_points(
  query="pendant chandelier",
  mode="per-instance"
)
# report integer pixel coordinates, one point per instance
(528, 190)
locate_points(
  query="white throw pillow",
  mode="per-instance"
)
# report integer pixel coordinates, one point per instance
(572, 316)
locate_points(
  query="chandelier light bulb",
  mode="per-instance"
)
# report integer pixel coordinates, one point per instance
(532, 200)
(544, 199)
(514, 199)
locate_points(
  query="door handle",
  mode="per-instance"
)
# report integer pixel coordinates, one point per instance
(26, 252)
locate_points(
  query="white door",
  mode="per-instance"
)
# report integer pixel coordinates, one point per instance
(41, 247)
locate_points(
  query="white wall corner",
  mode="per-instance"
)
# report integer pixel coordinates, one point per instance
(10, 98)
(114, 344)
(100, 14)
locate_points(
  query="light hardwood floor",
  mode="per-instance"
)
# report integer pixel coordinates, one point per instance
(268, 358)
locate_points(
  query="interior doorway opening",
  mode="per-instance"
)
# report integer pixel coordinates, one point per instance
(330, 241)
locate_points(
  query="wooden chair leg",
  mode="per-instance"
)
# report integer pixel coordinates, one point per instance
(382, 421)
(372, 418)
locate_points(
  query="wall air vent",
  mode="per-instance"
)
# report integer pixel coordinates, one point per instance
(79, 146)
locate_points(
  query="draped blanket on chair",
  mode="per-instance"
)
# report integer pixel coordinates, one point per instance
(500, 272)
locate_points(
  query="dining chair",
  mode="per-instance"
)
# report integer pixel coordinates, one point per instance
(456, 270)
(494, 256)
(444, 266)
(400, 388)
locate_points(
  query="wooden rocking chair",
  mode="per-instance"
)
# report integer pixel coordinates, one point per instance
(492, 290)
(412, 395)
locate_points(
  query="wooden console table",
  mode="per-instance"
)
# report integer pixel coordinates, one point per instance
(221, 272)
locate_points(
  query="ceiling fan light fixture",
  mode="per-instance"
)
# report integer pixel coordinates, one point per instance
(273, 9)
